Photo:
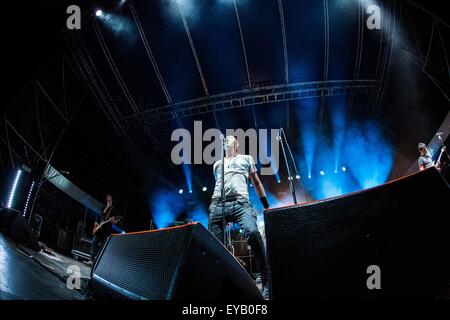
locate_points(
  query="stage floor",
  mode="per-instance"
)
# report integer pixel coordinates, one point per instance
(29, 275)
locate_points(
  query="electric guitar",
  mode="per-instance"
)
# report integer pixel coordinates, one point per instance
(113, 220)
(438, 162)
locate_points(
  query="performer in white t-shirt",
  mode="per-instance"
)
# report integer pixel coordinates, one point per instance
(238, 169)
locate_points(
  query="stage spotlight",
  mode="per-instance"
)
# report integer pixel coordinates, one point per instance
(251, 185)
(344, 169)
(322, 173)
(335, 171)
(205, 188)
(289, 178)
(297, 177)
(278, 181)
(309, 176)
(190, 191)
(98, 13)
(261, 223)
(180, 191)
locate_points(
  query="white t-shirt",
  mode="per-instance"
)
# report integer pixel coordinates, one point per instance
(237, 172)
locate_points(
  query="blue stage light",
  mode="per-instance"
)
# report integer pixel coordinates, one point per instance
(374, 167)
(98, 13)
(166, 206)
(322, 173)
(204, 189)
(187, 172)
(344, 169)
(199, 214)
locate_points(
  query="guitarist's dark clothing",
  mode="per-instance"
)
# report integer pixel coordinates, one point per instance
(104, 232)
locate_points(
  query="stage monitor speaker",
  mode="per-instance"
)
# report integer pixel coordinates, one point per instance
(387, 242)
(179, 263)
(18, 228)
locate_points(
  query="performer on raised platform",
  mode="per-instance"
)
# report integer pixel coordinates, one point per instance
(425, 159)
(238, 169)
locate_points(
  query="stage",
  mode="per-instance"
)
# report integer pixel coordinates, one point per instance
(29, 275)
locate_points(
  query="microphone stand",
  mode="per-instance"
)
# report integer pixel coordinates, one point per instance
(291, 186)
(223, 192)
(297, 176)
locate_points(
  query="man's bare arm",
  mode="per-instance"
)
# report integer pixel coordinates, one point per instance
(258, 185)
(96, 225)
(259, 189)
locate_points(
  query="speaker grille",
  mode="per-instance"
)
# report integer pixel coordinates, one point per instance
(323, 249)
(149, 266)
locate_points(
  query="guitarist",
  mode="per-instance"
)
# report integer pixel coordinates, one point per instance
(103, 226)
(425, 160)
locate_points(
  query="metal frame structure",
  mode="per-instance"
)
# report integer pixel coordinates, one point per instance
(25, 126)
(251, 97)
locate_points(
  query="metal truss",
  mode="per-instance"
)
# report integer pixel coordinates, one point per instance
(418, 52)
(35, 121)
(251, 97)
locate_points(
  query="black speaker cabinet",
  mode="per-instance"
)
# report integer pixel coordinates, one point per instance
(388, 242)
(18, 228)
(179, 263)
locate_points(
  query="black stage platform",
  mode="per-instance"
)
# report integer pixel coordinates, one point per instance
(30, 275)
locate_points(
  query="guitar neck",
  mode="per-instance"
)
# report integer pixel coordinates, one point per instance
(440, 156)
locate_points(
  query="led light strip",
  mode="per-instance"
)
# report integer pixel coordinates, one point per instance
(13, 189)
(28, 199)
